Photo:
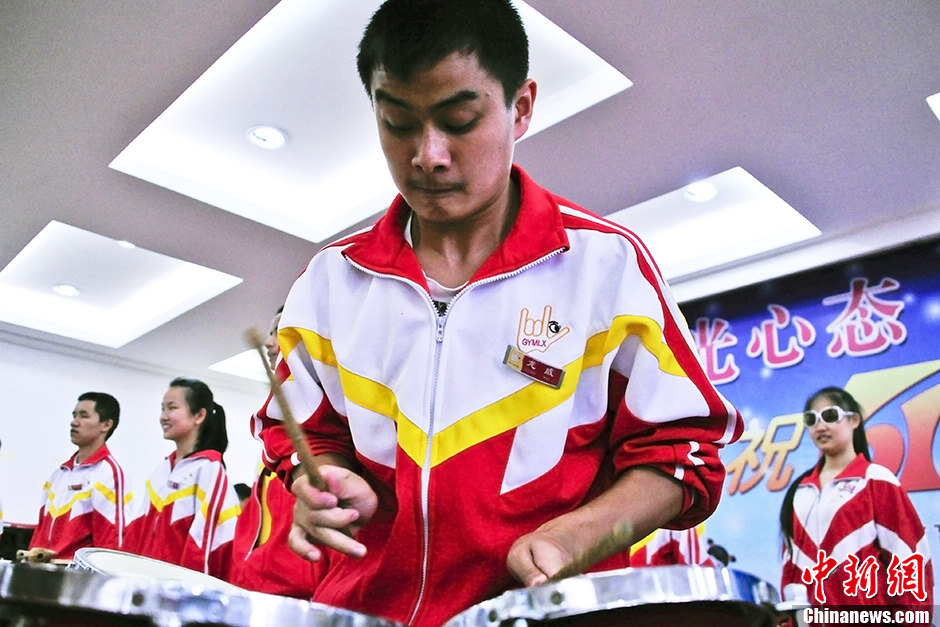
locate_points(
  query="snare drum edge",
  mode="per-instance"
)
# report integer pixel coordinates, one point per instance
(41, 595)
(659, 596)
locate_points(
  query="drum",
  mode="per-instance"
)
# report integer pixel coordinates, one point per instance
(662, 596)
(121, 564)
(41, 595)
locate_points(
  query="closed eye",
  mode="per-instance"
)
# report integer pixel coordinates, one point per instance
(397, 129)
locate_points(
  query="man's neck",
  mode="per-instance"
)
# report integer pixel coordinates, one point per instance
(451, 253)
(85, 452)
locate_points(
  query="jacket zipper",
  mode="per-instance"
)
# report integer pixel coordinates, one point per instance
(441, 321)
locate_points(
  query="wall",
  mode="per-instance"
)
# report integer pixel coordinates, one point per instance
(40, 388)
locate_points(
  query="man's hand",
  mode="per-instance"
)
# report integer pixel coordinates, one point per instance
(333, 517)
(536, 557)
(641, 500)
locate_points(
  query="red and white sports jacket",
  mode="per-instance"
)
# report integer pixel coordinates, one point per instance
(666, 547)
(83, 506)
(862, 514)
(261, 560)
(187, 514)
(562, 362)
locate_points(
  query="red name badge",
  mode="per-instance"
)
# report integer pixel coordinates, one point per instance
(533, 368)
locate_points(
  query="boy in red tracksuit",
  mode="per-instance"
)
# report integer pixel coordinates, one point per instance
(83, 501)
(494, 381)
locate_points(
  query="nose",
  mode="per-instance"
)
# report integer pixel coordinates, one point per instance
(432, 150)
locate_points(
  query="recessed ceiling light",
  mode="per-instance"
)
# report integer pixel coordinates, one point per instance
(65, 289)
(126, 244)
(687, 239)
(339, 144)
(700, 191)
(267, 137)
(124, 293)
(934, 103)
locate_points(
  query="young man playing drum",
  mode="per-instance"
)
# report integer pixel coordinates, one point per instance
(83, 500)
(493, 380)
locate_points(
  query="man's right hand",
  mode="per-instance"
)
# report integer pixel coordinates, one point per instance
(332, 517)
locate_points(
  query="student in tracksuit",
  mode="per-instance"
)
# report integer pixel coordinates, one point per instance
(494, 380)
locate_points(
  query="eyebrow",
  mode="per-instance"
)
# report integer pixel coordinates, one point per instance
(464, 95)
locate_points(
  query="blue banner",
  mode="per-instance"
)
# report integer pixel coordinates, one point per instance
(868, 325)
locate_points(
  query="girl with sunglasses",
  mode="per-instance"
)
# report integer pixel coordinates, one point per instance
(856, 513)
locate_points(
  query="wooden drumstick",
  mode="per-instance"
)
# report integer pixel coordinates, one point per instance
(293, 429)
(613, 542)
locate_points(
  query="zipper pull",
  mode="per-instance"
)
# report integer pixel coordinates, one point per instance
(440, 329)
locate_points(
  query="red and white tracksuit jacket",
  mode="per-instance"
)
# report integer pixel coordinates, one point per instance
(863, 512)
(464, 451)
(187, 514)
(83, 506)
(666, 547)
(262, 561)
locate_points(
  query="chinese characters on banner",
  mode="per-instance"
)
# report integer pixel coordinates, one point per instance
(870, 326)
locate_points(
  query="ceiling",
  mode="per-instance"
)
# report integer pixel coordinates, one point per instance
(824, 102)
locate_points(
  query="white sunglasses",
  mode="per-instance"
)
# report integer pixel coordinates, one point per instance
(830, 415)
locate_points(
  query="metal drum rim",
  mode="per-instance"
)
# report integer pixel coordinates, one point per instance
(594, 592)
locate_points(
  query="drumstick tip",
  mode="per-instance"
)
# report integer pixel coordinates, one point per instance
(254, 338)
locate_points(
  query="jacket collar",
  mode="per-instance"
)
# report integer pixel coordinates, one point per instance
(855, 470)
(210, 454)
(94, 458)
(537, 231)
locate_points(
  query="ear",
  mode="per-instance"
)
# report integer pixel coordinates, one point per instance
(523, 106)
(106, 425)
(199, 416)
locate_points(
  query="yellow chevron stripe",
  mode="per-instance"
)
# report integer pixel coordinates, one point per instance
(228, 514)
(200, 495)
(535, 399)
(651, 334)
(499, 417)
(318, 347)
(380, 399)
(106, 492)
(55, 512)
(203, 505)
(266, 516)
(160, 503)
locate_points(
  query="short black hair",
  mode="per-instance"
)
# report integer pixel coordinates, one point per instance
(405, 36)
(243, 490)
(212, 432)
(107, 408)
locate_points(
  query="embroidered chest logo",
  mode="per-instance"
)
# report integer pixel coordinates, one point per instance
(847, 488)
(536, 335)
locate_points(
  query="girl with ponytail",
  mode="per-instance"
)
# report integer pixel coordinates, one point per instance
(190, 508)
